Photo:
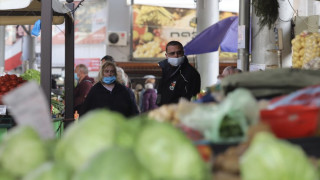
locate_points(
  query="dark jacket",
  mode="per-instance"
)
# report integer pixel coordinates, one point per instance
(149, 100)
(176, 82)
(81, 91)
(119, 99)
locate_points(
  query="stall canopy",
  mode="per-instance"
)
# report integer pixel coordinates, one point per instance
(24, 12)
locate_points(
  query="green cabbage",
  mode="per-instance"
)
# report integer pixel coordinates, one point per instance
(168, 154)
(49, 171)
(95, 131)
(129, 131)
(269, 158)
(114, 163)
(6, 176)
(22, 150)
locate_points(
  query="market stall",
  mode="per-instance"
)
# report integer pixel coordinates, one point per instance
(50, 12)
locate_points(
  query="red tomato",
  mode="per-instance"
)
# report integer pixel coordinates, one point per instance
(13, 83)
(19, 79)
(13, 76)
(4, 88)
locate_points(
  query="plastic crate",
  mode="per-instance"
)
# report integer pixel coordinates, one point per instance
(292, 121)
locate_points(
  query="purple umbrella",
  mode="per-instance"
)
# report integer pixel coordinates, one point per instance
(223, 33)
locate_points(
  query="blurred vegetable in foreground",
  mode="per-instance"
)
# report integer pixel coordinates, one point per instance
(270, 158)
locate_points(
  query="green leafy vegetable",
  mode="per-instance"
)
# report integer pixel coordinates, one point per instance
(115, 164)
(22, 150)
(270, 158)
(31, 74)
(168, 154)
(49, 171)
(95, 131)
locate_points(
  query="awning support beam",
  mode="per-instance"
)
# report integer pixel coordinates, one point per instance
(69, 66)
(46, 47)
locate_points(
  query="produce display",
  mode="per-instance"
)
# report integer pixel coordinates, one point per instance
(102, 145)
(57, 107)
(31, 74)
(9, 82)
(305, 47)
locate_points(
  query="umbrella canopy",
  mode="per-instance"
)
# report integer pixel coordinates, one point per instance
(223, 34)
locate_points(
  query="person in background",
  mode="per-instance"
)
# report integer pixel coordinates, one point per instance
(54, 84)
(137, 94)
(123, 79)
(107, 58)
(150, 79)
(83, 87)
(108, 93)
(228, 71)
(179, 78)
(149, 97)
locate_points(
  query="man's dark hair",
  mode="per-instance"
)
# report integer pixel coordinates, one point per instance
(174, 43)
(108, 58)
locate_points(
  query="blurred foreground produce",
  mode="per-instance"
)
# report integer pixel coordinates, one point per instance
(270, 158)
(103, 145)
(22, 151)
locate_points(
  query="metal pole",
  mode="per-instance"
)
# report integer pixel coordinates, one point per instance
(46, 47)
(244, 21)
(69, 66)
(32, 47)
(2, 47)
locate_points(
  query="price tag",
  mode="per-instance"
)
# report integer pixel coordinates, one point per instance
(28, 106)
(3, 110)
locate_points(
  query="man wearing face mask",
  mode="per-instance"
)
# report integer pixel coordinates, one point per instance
(83, 86)
(179, 78)
(108, 93)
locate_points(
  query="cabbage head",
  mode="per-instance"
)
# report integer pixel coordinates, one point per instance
(6, 176)
(270, 158)
(95, 131)
(49, 171)
(114, 163)
(22, 150)
(168, 154)
(130, 130)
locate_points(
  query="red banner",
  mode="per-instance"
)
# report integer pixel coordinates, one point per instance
(93, 64)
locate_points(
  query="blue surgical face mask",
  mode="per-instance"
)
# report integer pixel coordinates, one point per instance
(76, 76)
(109, 80)
(176, 61)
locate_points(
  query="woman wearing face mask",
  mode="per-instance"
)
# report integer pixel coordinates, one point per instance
(109, 94)
(179, 78)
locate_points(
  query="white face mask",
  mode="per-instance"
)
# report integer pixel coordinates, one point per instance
(176, 61)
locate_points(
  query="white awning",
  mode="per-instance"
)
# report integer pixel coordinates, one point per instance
(23, 12)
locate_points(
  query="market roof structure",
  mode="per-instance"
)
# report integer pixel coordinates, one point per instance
(23, 12)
